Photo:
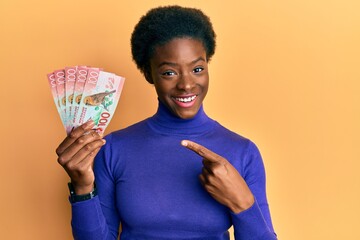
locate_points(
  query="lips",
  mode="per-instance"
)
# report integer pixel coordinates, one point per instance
(187, 101)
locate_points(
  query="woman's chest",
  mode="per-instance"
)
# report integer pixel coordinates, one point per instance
(162, 191)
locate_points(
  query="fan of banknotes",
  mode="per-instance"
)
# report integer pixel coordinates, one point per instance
(82, 93)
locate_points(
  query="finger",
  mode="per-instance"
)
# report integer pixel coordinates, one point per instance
(202, 179)
(81, 145)
(206, 172)
(88, 162)
(74, 135)
(210, 166)
(89, 149)
(205, 183)
(80, 164)
(203, 151)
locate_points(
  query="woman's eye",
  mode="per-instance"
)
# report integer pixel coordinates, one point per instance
(168, 73)
(198, 69)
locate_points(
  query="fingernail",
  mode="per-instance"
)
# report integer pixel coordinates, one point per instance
(184, 143)
(103, 140)
(98, 131)
(90, 123)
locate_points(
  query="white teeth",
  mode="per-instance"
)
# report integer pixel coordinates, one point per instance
(188, 99)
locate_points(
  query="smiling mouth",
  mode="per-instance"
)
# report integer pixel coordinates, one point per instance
(186, 99)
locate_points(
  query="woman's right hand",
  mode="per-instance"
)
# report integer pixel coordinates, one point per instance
(76, 155)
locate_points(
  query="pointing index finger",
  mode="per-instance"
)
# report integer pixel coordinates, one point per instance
(202, 151)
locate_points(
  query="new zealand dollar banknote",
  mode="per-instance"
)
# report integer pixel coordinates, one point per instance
(82, 93)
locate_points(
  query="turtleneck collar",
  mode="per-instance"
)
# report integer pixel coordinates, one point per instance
(165, 122)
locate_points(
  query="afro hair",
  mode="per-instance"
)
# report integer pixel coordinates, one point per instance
(161, 25)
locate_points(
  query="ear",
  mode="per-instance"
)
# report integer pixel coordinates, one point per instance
(148, 77)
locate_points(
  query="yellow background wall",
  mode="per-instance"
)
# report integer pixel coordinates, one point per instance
(286, 74)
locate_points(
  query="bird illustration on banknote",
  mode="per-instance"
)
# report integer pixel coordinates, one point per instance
(97, 99)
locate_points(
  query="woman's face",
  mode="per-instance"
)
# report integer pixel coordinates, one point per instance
(179, 70)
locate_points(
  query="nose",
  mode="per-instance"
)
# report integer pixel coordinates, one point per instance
(185, 82)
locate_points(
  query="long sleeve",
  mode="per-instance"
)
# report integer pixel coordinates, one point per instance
(255, 222)
(149, 183)
(88, 220)
(98, 218)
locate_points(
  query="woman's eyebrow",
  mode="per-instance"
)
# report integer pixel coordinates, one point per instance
(175, 64)
(167, 63)
(197, 60)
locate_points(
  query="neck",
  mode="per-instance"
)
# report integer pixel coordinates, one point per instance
(166, 122)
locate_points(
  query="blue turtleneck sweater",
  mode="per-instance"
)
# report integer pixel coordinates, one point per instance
(149, 183)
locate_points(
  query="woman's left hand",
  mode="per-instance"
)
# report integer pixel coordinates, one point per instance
(221, 180)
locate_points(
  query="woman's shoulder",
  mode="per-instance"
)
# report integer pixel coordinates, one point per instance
(230, 134)
(135, 130)
(235, 139)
